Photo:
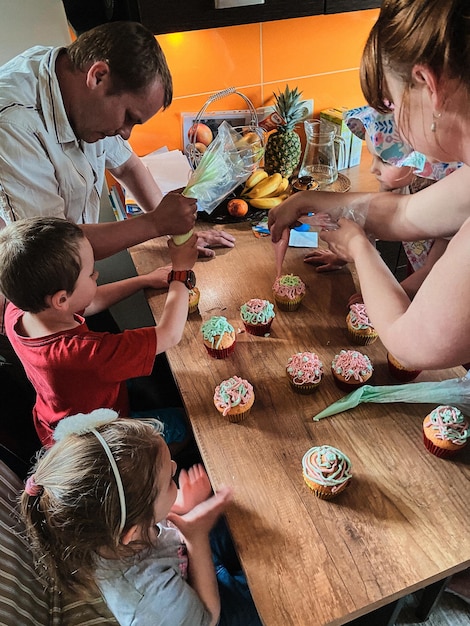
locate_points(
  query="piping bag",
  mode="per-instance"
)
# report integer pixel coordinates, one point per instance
(453, 392)
(280, 248)
(227, 162)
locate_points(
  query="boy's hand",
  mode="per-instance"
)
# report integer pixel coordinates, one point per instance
(199, 521)
(158, 279)
(194, 488)
(183, 257)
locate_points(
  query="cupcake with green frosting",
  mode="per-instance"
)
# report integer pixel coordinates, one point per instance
(218, 336)
(326, 470)
(257, 316)
(288, 292)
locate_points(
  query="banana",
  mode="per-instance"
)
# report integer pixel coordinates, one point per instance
(265, 187)
(281, 189)
(264, 203)
(255, 178)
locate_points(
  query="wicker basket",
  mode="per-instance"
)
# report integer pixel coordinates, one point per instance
(193, 154)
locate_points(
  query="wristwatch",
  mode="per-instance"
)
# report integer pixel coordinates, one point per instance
(188, 277)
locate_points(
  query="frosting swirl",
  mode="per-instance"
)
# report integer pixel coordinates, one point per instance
(257, 311)
(232, 392)
(358, 317)
(289, 286)
(327, 466)
(215, 327)
(304, 368)
(352, 364)
(449, 424)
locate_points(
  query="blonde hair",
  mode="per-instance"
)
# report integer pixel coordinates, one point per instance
(76, 512)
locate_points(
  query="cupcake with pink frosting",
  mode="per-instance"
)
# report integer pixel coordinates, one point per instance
(288, 292)
(233, 398)
(326, 470)
(305, 371)
(351, 369)
(359, 326)
(445, 431)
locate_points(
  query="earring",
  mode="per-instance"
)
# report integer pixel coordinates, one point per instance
(435, 116)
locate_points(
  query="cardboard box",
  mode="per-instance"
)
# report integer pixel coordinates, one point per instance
(336, 115)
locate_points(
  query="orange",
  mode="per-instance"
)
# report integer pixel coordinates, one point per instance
(237, 207)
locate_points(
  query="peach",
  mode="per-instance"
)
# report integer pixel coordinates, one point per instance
(200, 133)
(237, 207)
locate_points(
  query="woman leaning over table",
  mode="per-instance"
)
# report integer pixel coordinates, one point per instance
(416, 62)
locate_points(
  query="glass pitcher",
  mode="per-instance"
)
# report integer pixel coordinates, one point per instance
(319, 160)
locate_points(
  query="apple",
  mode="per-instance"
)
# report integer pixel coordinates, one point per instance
(237, 207)
(201, 147)
(200, 133)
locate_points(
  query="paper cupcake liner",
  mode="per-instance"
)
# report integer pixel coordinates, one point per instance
(222, 353)
(322, 492)
(288, 305)
(442, 453)
(304, 389)
(193, 308)
(360, 339)
(401, 374)
(258, 329)
(235, 418)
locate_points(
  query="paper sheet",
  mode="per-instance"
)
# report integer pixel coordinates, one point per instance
(170, 170)
(303, 239)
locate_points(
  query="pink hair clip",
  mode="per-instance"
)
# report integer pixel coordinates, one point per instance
(31, 488)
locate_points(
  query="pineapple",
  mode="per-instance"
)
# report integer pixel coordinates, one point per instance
(283, 146)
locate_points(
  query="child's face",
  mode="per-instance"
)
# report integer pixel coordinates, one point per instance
(167, 489)
(85, 287)
(389, 176)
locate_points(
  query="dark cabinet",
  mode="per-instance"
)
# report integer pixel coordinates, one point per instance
(340, 6)
(179, 15)
(168, 16)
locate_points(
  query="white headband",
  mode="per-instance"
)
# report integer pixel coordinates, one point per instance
(87, 423)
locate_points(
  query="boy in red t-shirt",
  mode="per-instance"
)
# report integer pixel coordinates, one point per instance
(47, 273)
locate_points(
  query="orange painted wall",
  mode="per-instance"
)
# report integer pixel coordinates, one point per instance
(319, 54)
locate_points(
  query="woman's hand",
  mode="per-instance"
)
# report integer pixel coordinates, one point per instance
(344, 239)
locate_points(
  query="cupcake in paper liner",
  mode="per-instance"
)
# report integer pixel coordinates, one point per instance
(360, 329)
(257, 316)
(304, 371)
(193, 302)
(233, 398)
(218, 337)
(326, 470)
(445, 431)
(288, 292)
(399, 371)
(351, 369)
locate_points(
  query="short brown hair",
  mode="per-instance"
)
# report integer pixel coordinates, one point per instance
(39, 256)
(435, 33)
(134, 56)
(77, 512)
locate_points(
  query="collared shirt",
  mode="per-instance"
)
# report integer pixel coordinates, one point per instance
(44, 168)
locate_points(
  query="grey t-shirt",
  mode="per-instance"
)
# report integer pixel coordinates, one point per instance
(150, 588)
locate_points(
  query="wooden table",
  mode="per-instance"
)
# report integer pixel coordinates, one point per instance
(402, 523)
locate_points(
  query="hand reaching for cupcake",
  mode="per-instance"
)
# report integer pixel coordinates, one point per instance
(194, 488)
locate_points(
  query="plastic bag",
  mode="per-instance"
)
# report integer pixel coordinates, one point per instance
(452, 392)
(227, 162)
(356, 211)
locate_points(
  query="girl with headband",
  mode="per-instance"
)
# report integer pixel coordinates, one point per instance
(102, 510)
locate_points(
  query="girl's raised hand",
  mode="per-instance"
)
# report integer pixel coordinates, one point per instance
(194, 488)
